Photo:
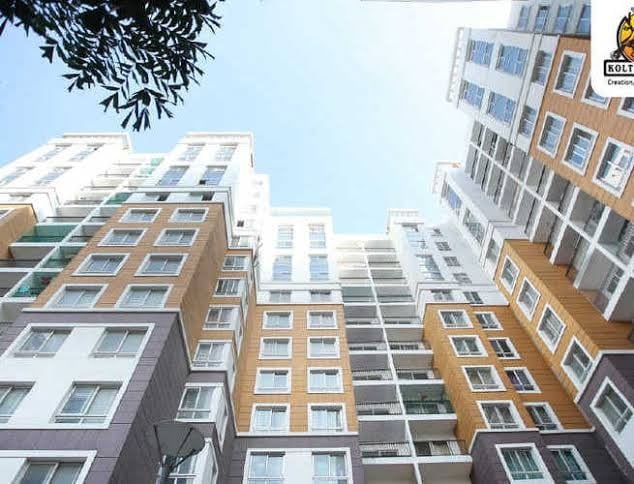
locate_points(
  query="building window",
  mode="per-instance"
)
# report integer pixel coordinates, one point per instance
(275, 348)
(452, 261)
(221, 317)
(323, 347)
(551, 134)
(428, 267)
(543, 61)
(550, 328)
(209, 354)
(282, 268)
(569, 72)
(285, 237)
(225, 152)
(102, 264)
(455, 319)
(528, 298)
(583, 26)
(462, 278)
(453, 201)
(612, 408)
(280, 296)
(189, 215)
(500, 415)
(324, 380)
(483, 378)
(88, 403)
(509, 274)
(579, 148)
(521, 379)
(467, 346)
(527, 121)
(42, 342)
(628, 106)
(163, 264)
(119, 343)
(472, 94)
(17, 173)
(183, 237)
(577, 363)
(183, 473)
(320, 296)
(330, 468)
(442, 246)
(317, 236)
(521, 464)
(191, 152)
(442, 295)
(140, 215)
(501, 107)
(53, 152)
(144, 297)
(266, 468)
(273, 381)
(277, 320)
(473, 297)
(570, 464)
(270, 418)
(212, 176)
(123, 237)
(541, 18)
(326, 418)
(78, 296)
(542, 416)
(479, 52)
(511, 60)
(235, 263)
(321, 320)
(10, 398)
(561, 21)
(47, 472)
(172, 176)
(488, 321)
(503, 348)
(196, 403)
(51, 176)
(615, 167)
(318, 268)
(522, 20)
(591, 95)
(228, 287)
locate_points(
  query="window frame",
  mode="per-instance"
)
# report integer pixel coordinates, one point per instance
(512, 409)
(232, 324)
(265, 320)
(528, 313)
(146, 259)
(289, 345)
(503, 281)
(257, 388)
(579, 460)
(481, 350)
(599, 414)
(226, 352)
(593, 135)
(549, 410)
(551, 345)
(338, 389)
(241, 286)
(107, 417)
(53, 302)
(174, 216)
(624, 112)
(494, 374)
(597, 181)
(104, 241)
(344, 421)
(16, 348)
(125, 218)
(10, 386)
(568, 371)
(82, 272)
(120, 302)
(146, 335)
(498, 326)
(516, 354)
(309, 354)
(244, 268)
(528, 376)
(213, 402)
(571, 54)
(248, 465)
(158, 242)
(586, 100)
(464, 313)
(310, 312)
(287, 412)
(539, 146)
(539, 462)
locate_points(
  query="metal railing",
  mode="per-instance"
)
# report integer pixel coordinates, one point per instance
(428, 407)
(428, 448)
(371, 375)
(379, 408)
(19, 263)
(373, 450)
(369, 346)
(430, 374)
(415, 346)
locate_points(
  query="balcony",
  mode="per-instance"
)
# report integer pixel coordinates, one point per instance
(379, 408)
(432, 448)
(62, 220)
(428, 407)
(17, 263)
(413, 375)
(371, 375)
(118, 199)
(367, 346)
(415, 346)
(33, 286)
(46, 234)
(377, 450)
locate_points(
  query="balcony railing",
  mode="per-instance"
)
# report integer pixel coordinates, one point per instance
(371, 375)
(379, 408)
(57, 262)
(428, 448)
(29, 290)
(57, 219)
(417, 346)
(430, 374)
(40, 238)
(17, 263)
(358, 299)
(396, 299)
(369, 346)
(373, 450)
(428, 407)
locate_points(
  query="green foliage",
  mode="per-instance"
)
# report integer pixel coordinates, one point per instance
(144, 53)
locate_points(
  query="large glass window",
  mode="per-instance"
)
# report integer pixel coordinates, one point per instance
(266, 468)
(569, 73)
(577, 363)
(501, 107)
(613, 408)
(196, 403)
(479, 52)
(10, 397)
(42, 342)
(88, 403)
(330, 468)
(326, 418)
(542, 66)
(615, 167)
(553, 127)
(47, 472)
(522, 464)
(511, 60)
(472, 94)
(500, 415)
(270, 418)
(319, 268)
(119, 342)
(282, 268)
(570, 465)
(579, 148)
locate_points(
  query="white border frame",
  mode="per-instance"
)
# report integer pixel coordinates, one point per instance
(622, 112)
(552, 346)
(254, 407)
(158, 243)
(140, 271)
(514, 412)
(549, 410)
(584, 98)
(124, 217)
(466, 316)
(86, 457)
(227, 350)
(239, 256)
(529, 314)
(528, 374)
(574, 54)
(344, 420)
(103, 241)
(234, 324)
(173, 216)
(326, 336)
(547, 479)
(538, 145)
(510, 345)
(54, 300)
(627, 177)
(483, 352)
(324, 368)
(571, 376)
(119, 303)
(241, 287)
(262, 356)
(265, 320)
(79, 272)
(215, 404)
(494, 373)
(517, 275)
(595, 136)
(495, 317)
(257, 390)
(334, 317)
(580, 462)
(616, 436)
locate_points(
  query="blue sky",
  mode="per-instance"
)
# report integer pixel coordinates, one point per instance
(346, 100)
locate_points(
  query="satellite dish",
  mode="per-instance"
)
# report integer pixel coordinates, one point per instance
(177, 441)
